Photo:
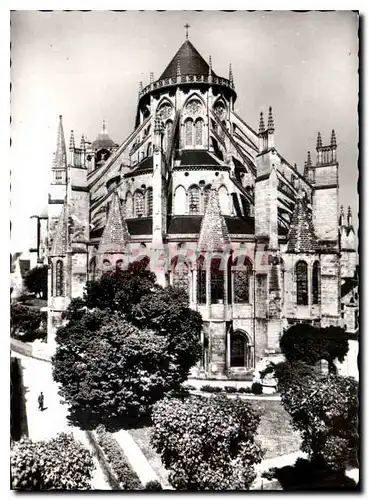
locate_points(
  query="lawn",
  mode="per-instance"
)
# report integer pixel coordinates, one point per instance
(275, 433)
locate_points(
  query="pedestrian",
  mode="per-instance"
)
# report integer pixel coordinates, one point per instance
(41, 401)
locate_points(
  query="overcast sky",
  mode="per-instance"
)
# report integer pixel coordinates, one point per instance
(87, 65)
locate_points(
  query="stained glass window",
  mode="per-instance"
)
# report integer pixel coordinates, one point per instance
(198, 132)
(181, 275)
(242, 269)
(59, 279)
(194, 200)
(139, 204)
(302, 283)
(316, 283)
(188, 132)
(149, 201)
(201, 281)
(216, 280)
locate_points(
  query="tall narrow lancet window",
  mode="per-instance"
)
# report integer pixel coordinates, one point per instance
(201, 280)
(302, 283)
(206, 196)
(168, 134)
(139, 204)
(181, 274)
(198, 131)
(149, 201)
(59, 279)
(51, 279)
(239, 350)
(316, 283)
(92, 269)
(188, 132)
(242, 272)
(194, 200)
(216, 280)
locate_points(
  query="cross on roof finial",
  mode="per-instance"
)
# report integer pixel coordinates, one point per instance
(187, 26)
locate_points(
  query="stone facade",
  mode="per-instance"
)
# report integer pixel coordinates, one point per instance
(214, 208)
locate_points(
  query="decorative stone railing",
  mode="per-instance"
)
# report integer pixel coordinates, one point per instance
(186, 79)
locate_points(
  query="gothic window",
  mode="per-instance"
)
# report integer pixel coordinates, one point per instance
(149, 149)
(219, 110)
(301, 283)
(216, 280)
(58, 175)
(188, 132)
(201, 280)
(59, 279)
(193, 108)
(206, 195)
(52, 279)
(240, 351)
(92, 268)
(181, 274)
(316, 283)
(165, 111)
(149, 201)
(139, 204)
(168, 133)
(198, 132)
(194, 200)
(242, 271)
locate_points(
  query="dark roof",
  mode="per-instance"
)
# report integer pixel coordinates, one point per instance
(145, 166)
(236, 225)
(141, 225)
(238, 165)
(190, 60)
(348, 285)
(190, 224)
(196, 157)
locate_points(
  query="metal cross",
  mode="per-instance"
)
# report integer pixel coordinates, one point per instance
(187, 26)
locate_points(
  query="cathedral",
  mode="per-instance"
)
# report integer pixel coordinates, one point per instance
(209, 203)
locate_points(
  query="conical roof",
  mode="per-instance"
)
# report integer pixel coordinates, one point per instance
(190, 62)
(103, 140)
(301, 236)
(60, 156)
(116, 234)
(213, 232)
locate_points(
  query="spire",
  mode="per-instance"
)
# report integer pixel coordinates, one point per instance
(349, 217)
(115, 235)
(210, 66)
(230, 73)
(306, 171)
(60, 243)
(261, 123)
(213, 232)
(71, 140)
(309, 163)
(103, 129)
(151, 77)
(295, 166)
(83, 143)
(140, 88)
(270, 119)
(333, 140)
(60, 156)
(319, 143)
(301, 236)
(342, 216)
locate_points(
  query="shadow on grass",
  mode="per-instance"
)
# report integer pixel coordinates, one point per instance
(307, 475)
(18, 414)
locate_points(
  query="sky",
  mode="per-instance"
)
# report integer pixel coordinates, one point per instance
(87, 66)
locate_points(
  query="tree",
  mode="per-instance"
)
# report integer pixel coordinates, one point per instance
(126, 343)
(26, 323)
(36, 281)
(58, 464)
(207, 443)
(303, 342)
(325, 411)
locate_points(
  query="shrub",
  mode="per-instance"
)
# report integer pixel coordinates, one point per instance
(58, 464)
(153, 486)
(210, 388)
(257, 388)
(230, 389)
(207, 443)
(190, 387)
(244, 390)
(127, 478)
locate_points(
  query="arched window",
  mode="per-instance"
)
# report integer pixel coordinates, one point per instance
(168, 134)
(59, 279)
(242, 272)
(188, 132)
(206, 195)
(139, 204)
(194, 200)
(201, 280)
(149, 201)
(302, 283)
(129, 205)
(198, 131)
(149, 149)
(92, 268)
(224, 200)
(179, 200)
(181, 274)
(216, 280)
(51, 279)
(315, 285)
(241, 355)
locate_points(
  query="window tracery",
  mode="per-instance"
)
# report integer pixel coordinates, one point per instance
(302, 283)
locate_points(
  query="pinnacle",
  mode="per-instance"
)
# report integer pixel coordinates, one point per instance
(319, 143)
(270, 119)
(261, 123)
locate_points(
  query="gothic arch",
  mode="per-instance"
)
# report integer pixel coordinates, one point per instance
(199, 132)
(59, 279)
(315, 282)
(242, 277)
(224, 200)
(241, 350)
(138, 203)
(179, 200)
(217, 280)
(194, 97)
(165, 107)
(201, 280)
(301, 278)
(188, 132)
(181, 273)
(193, 199)
(148, 202)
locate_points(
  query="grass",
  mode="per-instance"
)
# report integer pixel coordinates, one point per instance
(275, 434)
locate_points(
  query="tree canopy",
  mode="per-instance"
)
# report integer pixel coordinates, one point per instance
(27, 323)
(36, 281)
(126, 343)
(207, 443)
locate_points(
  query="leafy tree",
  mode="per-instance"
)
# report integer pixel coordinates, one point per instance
(58, 464)
(126, 343)
(303, 342)
(26, 323)
(207, 443)
(325, 411)
(36, 281)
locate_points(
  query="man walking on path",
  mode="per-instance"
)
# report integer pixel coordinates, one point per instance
(41, 401)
